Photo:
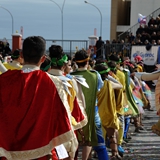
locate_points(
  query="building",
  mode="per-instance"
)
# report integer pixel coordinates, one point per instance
(124, 14)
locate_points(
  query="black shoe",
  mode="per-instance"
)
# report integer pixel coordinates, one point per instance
(125, 140)
(129, 137)
(137, 130)
(120, 153)
(142, 128)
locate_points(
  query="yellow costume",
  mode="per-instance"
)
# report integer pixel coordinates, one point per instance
(13, 65)
(139, 68)
(107, 106)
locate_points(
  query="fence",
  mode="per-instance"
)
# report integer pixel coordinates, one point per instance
(69, 46)
(122, 49)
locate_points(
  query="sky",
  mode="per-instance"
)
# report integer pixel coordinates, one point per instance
(44, 18)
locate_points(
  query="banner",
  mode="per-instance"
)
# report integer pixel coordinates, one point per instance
(149, 57)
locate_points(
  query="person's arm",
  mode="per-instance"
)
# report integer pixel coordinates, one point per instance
(2, 67)
(147, 76)
(115, 84)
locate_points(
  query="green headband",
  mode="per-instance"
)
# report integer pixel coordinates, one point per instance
(105, 64)
(104, 71)
(15, 56)
(60, 62)
(47, 67)
(112, 68)
(119, 61)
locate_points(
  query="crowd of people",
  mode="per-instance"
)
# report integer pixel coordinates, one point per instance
(51, 105)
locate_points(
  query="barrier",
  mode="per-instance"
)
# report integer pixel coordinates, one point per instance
(149, 57)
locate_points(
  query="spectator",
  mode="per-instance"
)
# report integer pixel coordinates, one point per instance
(1, 47)
(131, 37)
(158, 42)
(99, 47)
(139, 30)
(7, 50)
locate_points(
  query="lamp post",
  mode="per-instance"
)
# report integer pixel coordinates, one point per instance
(61, 9)
(100, 15)
(11, 17)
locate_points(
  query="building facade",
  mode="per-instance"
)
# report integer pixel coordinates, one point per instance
(124, 14)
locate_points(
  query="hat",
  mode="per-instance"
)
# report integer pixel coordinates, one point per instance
(138, 58)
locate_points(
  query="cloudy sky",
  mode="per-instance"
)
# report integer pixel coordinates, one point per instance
(43, 17)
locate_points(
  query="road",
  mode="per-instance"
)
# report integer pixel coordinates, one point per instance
(145, 145)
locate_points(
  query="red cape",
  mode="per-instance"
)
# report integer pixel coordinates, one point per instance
(32, 114)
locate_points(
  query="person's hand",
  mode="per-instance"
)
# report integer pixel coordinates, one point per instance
(158, 66)
(158, 112)
(132, 74)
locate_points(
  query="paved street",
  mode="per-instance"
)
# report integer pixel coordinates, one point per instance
(145, 145)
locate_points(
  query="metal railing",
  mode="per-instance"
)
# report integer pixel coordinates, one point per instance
(116, 48)
(134, 28)
(69, 46)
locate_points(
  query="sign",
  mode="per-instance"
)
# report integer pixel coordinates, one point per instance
(149, 57)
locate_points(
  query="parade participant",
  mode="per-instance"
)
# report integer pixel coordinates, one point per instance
(58, 65)
(145, 88)
(2, 68)
(17, 61)
(46, 65)
(92, 131)
(34, 114)
(131, 101)
(108, 111)
(139, 62)
(120, 94)
(68, 67)
(147, 77)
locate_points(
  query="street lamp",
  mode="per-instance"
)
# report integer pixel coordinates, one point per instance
(100, 15)
(11, 17)
(61, 9)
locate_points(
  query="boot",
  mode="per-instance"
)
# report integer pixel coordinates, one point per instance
(137, 124)
(156, 128)
(114, 149)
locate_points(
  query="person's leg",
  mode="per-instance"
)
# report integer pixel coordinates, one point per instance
(101, 147)
(126, 128)
(120, 135)
(85, 152)
(156, 128)
(137, 124)
(111, 133)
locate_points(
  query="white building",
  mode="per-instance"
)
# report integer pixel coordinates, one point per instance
(124, 14)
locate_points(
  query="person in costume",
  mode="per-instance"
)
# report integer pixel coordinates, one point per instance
(17, 60)
(147, 77)
(92, 131)
(145, 88)
(137, 92)
(34, 121)
(58, 65)
(108, 113)
(131, 101)
(68, 67)
(2, 68)
(46, 65)
(139, 61)
(114, 64)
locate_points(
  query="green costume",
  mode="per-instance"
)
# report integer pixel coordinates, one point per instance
(131, 101)
(90, 98)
